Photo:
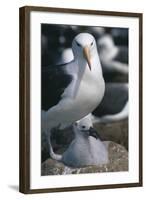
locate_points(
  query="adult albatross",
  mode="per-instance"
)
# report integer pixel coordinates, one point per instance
(71, 91)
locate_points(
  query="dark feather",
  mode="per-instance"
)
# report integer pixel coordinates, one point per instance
(54, 80)
(115, 98)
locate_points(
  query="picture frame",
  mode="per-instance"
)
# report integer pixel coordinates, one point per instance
(31, 18)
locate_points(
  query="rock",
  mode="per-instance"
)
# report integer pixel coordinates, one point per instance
(116, 132)
(118, 161)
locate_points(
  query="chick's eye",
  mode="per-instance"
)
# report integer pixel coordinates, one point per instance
(78, 44)
(76, 123)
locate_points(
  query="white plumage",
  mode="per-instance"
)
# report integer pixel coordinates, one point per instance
(85, 149)
(84, 92)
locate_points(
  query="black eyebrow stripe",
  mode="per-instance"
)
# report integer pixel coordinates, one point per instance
(78, 44)
(92, 42)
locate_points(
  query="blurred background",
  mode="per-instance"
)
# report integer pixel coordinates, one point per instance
(57, 39)
(111, 117)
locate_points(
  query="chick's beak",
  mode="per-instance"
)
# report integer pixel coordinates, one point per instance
(92, 132)
(87, 56)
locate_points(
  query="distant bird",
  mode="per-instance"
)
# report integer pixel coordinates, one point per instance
(114, 59)
(114, 105)
(71, 91)
(67, 56)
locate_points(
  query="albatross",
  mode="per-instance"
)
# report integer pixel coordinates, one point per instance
(86, 148)
(71, 91)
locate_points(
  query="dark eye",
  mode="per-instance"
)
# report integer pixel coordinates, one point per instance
(78, 44)
(76, 123)
(92, 44)
(83, 126)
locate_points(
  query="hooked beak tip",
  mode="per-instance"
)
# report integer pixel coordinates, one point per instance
(93, 133)
(89, 66)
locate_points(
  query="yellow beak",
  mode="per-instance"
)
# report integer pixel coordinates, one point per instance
(86, 54)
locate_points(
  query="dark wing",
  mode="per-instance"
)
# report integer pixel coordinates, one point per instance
(115, 98)
(54, 80)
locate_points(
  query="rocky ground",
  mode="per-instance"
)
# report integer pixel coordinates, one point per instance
(117, 135)
(117, 132)
(118, 161)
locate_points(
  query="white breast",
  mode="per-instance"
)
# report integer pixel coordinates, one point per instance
(84, 152)
(90, 91)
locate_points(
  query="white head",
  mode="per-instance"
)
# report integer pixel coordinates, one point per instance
(107, 49)
(67, 55)
(106, 43)
(84, 127)
(84, 46)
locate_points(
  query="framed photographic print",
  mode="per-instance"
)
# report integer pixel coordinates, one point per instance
(80, 99)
